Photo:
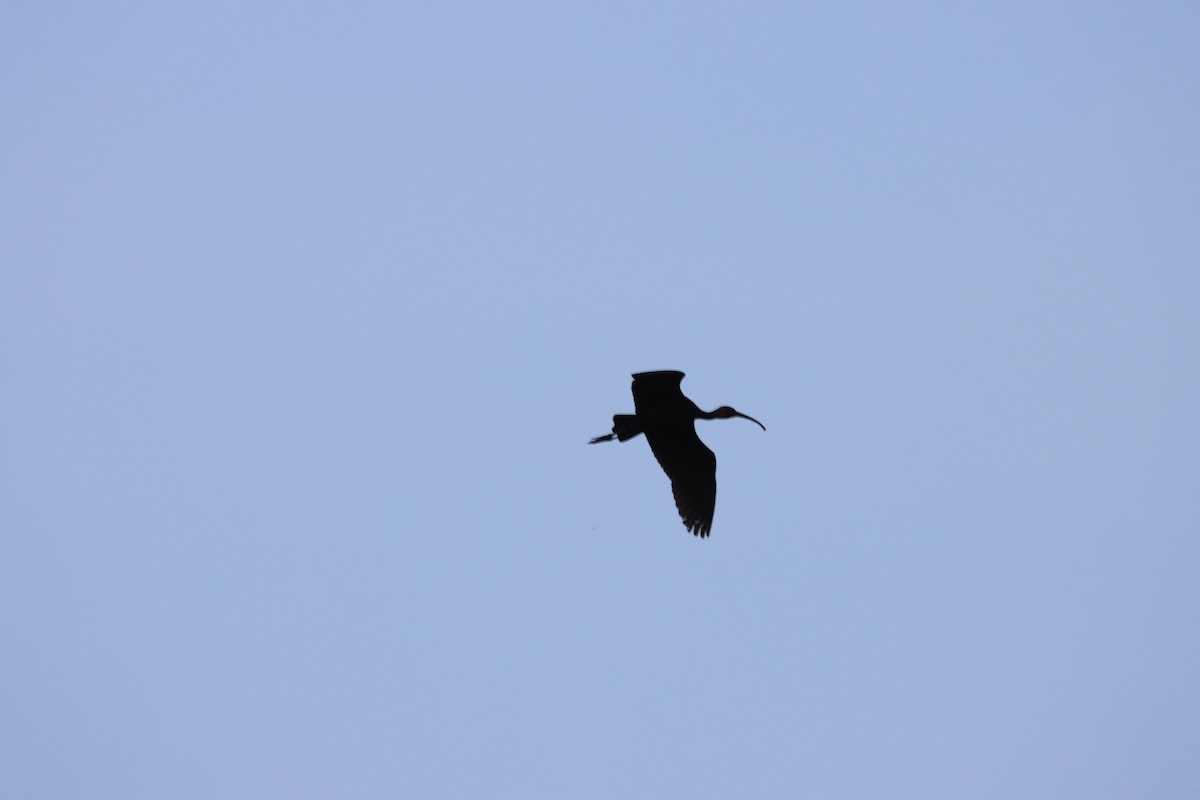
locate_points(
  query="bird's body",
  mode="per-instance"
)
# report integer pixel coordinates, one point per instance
(667, 418)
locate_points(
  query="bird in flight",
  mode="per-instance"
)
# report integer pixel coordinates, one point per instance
(667, 418)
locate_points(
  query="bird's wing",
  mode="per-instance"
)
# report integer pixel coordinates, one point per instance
(654, 391)
(692, 468)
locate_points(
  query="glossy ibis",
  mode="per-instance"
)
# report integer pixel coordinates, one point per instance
(668, 420)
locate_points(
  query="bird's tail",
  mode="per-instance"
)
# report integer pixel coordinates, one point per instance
(625, 426)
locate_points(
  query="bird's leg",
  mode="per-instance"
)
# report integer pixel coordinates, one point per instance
(625, 426)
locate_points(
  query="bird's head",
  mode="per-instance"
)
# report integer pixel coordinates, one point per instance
(725, 412)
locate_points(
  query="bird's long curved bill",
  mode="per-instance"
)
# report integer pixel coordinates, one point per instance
(752, 419)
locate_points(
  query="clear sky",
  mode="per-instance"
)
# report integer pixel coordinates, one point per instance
(309, 310)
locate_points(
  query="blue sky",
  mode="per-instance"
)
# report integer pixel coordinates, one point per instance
(308, 313)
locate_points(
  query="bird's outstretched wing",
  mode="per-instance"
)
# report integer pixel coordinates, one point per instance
(692, 468)
(654, 392)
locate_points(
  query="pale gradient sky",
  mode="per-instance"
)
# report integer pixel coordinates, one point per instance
(308, 312)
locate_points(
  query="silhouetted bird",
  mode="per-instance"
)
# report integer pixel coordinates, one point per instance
(668, 420)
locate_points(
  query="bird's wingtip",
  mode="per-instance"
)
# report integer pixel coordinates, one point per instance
(659, 373)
